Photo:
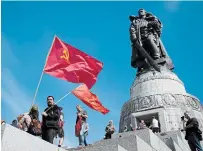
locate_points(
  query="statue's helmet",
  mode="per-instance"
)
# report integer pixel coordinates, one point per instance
(142, 12)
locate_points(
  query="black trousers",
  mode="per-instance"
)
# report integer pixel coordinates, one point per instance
(155, 130)
(108, 136)
(49, 134)
(194, 143)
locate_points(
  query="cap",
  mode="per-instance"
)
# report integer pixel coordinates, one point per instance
(34, 107)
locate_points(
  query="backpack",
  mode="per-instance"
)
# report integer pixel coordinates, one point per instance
(35, 127)
(20, 117)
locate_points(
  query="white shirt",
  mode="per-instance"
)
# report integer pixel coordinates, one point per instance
(85, 128)
(25, 121)
(155, 123)
(61, 117)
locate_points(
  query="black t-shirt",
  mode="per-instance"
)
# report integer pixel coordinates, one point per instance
(51, 121)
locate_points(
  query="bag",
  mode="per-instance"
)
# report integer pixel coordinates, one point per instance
(78, 127)
(35, 128)
(61, 122)
(20, 117)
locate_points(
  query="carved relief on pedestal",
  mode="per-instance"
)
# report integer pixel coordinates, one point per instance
(144, 102)
(181, 100)
(158, 99)
(193, 103)
(164, 100)
(169, 100)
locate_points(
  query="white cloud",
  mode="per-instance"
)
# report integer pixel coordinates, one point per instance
(13, 94)
(172, 6)
(8, 58)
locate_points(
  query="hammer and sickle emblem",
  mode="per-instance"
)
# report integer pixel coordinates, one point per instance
(89, 99)
(65, 56)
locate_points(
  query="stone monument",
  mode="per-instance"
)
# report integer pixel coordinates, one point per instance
(157, 90)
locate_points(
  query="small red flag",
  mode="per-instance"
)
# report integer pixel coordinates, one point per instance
(68, 63)
(90, 99)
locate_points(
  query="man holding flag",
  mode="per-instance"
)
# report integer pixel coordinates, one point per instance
(50, 118)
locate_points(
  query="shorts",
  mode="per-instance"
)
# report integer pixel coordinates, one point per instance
(60, 132)
(49, 134)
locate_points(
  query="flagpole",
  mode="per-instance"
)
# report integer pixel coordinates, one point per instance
(42, 72)
(62, 98)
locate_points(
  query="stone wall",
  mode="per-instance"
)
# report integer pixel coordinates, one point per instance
(14, 139)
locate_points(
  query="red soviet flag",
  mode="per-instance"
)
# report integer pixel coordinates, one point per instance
(68, 63)
(90, 99)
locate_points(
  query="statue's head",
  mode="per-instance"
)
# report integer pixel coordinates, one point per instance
(142, 12)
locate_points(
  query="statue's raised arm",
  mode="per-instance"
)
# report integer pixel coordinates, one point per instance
(147, 48)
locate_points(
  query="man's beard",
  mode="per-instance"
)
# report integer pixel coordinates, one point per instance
(49, 104)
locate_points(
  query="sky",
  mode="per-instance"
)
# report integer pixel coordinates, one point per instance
(101, 29)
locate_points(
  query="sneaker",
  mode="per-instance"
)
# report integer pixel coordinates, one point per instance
(80, 147)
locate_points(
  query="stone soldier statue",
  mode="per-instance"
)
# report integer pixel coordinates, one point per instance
(147, 48)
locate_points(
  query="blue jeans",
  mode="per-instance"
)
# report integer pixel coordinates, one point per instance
(194, 143)
(82, 139)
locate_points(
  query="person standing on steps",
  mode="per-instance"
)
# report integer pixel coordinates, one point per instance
(142, 125)
(110, 129)
(193, 133)
(155, 125)
(81, 127)
(125, 129)
(27, 122)
(50, 118)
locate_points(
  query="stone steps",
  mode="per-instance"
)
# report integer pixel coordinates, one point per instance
(178, 137)
(130, 143)
(146, 135)
(14, 139)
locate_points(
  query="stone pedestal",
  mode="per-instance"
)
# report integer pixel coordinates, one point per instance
(162, 95)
